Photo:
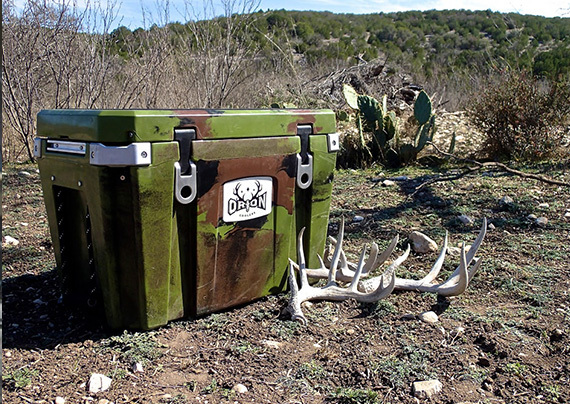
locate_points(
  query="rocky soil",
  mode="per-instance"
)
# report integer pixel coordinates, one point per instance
(506, 340)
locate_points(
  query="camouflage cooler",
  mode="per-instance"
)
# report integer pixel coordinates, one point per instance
(156, 215)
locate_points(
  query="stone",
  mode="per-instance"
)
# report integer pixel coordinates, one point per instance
(532, 216)
(24, 174)
(544, 205)
(541, 221)
(422, 243)
(59, 400)
(350, 331)
(506, 201)
(429, 317)
(357, 219)
(491, 227)
(465, 219)
(272, 344)
(388, 183)
(104, 401)
(427, 388)
(567, 215)
(99, 383)
(8, 240)
(138, 367)
(239, 388)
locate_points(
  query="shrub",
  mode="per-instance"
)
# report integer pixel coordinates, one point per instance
(522, 117)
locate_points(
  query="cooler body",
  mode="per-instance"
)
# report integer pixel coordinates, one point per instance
(157, 215)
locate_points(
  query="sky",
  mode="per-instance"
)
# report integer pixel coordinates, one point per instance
(131, 14)
(131, 9)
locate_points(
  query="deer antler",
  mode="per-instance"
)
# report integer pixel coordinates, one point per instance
(453, 286)
(331, 291)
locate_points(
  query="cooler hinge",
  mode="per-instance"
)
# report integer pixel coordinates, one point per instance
(304, 158)
(185, 185)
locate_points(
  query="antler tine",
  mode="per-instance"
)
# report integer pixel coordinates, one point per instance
(430, 277)
(336, 254)
(301, 257)
(471, 253)
(354, 283)
(370, 284)
(295, 300)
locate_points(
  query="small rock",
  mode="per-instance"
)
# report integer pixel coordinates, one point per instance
(317, 346)
(24, 174)
(506, 201)
(8, 354)
(239, 388)
(465, 219)
(532, 216)
(166, 396)
(8, 240)
(388, 183)
(544, 205)
(271, 344)
(59, 400)
(491, 227)
(428, 317)
(103, 401)
(138, 367)
(422, 243)
(459, 330)
(98, 383)
(357, 219)
(350, 331)
(567, 215)
(427, 388)
(541, 221)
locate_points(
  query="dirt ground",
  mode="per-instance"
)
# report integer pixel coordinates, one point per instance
(506, 340)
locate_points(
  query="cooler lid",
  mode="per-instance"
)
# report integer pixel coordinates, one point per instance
(127, 126)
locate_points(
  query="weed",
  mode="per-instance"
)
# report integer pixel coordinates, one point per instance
(211, 388)
(516, 368)
(244, 346)
(135, 347)
(475, 373)
(19, 378)
(311, 370)
(348, 395)
(552, 391)
(215, 322)
(285, 329)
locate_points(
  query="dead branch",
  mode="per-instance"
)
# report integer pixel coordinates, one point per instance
(479, 166)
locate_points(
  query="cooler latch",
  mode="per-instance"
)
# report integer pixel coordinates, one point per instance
(185, 186)
(304, 158)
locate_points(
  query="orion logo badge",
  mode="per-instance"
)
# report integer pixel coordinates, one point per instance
(247, 198)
